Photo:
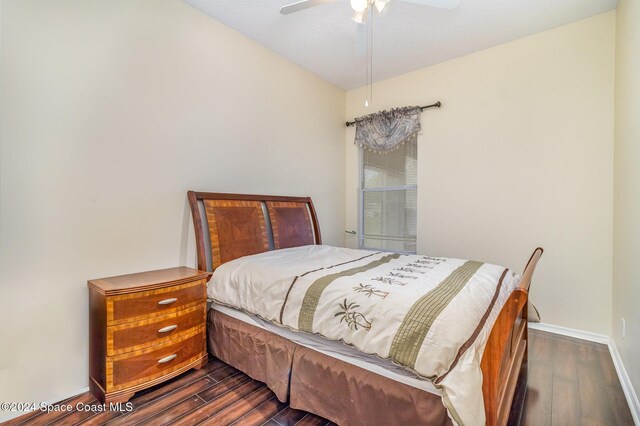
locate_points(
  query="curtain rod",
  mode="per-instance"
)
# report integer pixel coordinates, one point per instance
(422, 108)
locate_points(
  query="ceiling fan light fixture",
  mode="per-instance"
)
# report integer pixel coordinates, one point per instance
(359, 6)
(380, 4)
(359, 17)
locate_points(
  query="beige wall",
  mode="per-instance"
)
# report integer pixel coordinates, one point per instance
(626, 270)
(520, 155)
(111, 112)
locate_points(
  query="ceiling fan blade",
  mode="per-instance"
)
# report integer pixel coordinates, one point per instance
(301, 5)
(440, 4)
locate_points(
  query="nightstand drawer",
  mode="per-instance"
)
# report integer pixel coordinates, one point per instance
(149, 304)
(134, 368)
(131, 336)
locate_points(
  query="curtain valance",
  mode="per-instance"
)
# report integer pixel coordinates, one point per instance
(387, 130)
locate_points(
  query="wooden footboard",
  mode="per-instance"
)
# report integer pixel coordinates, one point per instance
(504, 362)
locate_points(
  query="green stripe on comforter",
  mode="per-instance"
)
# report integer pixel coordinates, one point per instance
(415, 326)
(315, 290)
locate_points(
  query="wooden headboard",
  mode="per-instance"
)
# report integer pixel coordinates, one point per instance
(229, 226)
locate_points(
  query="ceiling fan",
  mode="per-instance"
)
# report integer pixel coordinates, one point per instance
(360, 7)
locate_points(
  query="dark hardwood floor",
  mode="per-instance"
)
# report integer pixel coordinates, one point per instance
(571, 382)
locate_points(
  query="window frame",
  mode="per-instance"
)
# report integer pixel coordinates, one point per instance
(361, 192)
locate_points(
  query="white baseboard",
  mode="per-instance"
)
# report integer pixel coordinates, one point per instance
(8, 415)
(625, 381)
(571, 332)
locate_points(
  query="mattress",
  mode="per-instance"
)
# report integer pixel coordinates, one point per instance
(334, 349)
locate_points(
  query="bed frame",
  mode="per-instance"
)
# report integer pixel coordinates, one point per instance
(229, 226)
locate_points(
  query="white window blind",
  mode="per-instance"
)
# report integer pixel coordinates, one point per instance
(388, 192)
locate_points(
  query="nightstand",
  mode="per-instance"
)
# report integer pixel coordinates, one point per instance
(144, 329)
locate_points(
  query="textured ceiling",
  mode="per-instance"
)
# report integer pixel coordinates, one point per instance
(407, 37)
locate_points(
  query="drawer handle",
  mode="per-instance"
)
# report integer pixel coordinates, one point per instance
(167, 329)
(167, 359)
(167, 301)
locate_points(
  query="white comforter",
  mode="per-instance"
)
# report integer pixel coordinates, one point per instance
(430, 315)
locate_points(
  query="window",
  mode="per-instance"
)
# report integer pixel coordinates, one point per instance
(388, 199)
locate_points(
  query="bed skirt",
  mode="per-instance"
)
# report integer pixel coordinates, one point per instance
(312, 381)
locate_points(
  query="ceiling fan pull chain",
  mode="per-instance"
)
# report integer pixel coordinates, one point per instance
(371, 60)
(369, 79)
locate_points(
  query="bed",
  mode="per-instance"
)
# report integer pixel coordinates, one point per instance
(359, 337)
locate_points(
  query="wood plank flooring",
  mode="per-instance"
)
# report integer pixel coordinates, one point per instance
(571, 382)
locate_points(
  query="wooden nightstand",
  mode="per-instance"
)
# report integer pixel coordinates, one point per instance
(144, 329)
